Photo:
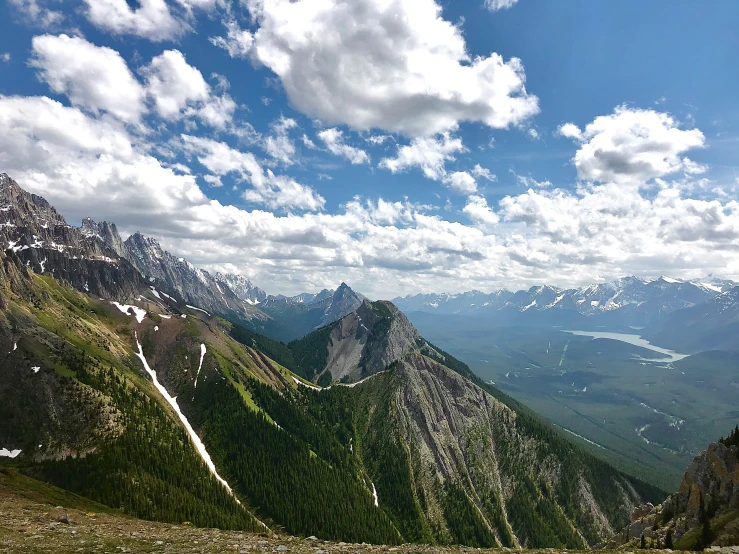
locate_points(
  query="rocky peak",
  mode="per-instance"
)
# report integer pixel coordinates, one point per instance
(368, 340)
(195, 285)
(242, 286)
(41, 238)
(344, 301)
(107, 232)
(34, 210)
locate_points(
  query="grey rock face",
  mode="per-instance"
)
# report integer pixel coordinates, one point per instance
(344, 301)
(242, 287)
(368, 340)
(710, 488)
(196, 286)
(45, 243)
(107, 232)
(457, 433)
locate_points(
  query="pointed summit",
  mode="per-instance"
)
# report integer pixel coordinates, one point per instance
(343, 302)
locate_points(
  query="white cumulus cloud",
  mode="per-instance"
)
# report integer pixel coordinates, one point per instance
(268, 189)
(173, 84)
(94, 77)
(152, 19)
(428, 153)
(397, 66)
(179, 90)
(632, 146)
(279, 145)
(334, 141)
(479, 212)
(462, 182)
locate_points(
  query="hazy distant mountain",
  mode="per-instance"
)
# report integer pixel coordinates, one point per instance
(711, 325)
(243, 287)
(296, 316)
(627, 301)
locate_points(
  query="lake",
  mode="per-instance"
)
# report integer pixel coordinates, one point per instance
(636, 340)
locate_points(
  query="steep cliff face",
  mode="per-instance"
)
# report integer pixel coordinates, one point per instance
(342, 302)
(367, 341)
(42, 239)
(242, 287)
(107, 232)
(452, 463)
(195, 286)
(704, 512)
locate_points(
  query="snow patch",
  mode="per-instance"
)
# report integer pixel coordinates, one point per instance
(165, 316)
(155, 292)
(709, 286)
(200, 366)
(301, 383)
(198, 309)
(156, 327)
(167, 296)
(4, 452)
(36, 369)
(139, 313)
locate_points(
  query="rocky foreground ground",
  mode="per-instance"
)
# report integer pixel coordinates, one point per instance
(38, 518)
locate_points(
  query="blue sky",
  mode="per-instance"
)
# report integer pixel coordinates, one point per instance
(399, 145)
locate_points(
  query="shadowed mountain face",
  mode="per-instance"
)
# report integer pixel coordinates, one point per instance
(712, 325)
(94, 258)
(295, 317)
(41, 238)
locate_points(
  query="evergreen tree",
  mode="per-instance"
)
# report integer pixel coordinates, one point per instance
(668, 540)
(706, 537)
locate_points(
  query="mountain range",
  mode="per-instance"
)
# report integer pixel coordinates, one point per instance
(138, 381)
(630, 301)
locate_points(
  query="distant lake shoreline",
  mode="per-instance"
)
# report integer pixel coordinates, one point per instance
(636, 340)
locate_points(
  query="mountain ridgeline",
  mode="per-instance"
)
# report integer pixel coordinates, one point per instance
(136, 380)
(624, 303)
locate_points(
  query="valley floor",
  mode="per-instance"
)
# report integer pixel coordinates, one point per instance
(36, 518)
